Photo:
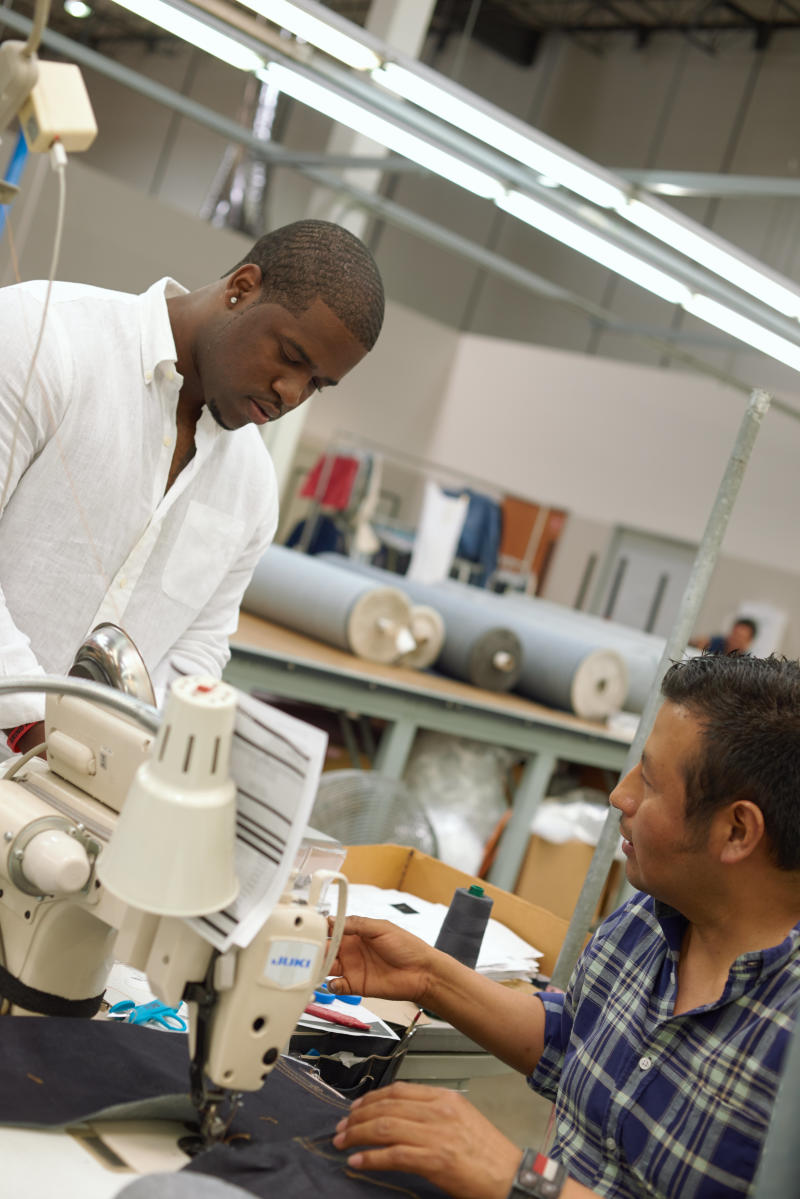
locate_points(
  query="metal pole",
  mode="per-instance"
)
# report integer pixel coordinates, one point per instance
(530, 792)
(704, 563)
(779, 1165)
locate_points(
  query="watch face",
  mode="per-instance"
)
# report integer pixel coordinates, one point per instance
(538, 1177)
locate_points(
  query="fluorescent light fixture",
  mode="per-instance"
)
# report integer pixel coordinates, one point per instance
(594, 246)
(744, 330)
(561, 169)
(77, 9)
(316, 32)
(712, 256)
(196, 32)
(378, 129)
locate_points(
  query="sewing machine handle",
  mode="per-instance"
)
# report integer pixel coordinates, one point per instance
(320, 879)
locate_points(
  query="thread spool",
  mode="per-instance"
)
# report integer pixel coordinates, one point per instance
(461, 934)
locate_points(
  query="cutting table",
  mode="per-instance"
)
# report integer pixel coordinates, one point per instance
(269, 658)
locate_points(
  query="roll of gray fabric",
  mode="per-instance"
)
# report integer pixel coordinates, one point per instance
(641, 651)
(563, 666)
(561, 671)
(478, 647)
(367, 618)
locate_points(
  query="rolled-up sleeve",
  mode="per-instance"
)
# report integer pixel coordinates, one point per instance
(557, 1029)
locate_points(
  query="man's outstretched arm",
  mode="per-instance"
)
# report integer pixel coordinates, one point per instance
(379, 960)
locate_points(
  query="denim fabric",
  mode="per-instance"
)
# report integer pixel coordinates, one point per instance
(55, 1072)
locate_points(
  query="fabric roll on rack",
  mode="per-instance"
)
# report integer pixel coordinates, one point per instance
(561, 666)
(563, 672)
(427, 629)
(641, 651)
(368, 618)
(478, 647)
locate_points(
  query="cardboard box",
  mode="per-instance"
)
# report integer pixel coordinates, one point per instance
(418, 874)
(554, 874)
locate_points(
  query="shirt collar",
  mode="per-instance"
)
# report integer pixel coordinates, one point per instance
(158, 343)
(760, 963)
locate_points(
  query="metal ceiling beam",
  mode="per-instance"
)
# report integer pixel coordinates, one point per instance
(387, 210)
(707, 183)
(616, 231)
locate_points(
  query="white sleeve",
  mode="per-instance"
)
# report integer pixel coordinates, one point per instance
(23, 432)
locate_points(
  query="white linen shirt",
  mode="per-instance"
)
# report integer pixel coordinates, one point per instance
(87, 533)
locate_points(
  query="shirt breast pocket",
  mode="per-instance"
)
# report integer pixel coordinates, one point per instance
(206, 547)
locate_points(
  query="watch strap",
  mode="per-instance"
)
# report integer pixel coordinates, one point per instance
(538, 1177)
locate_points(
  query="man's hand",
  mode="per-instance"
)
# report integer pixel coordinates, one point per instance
(435, 1133)
(33, 737)
(378, 959)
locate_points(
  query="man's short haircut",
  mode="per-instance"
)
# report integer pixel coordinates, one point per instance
(749, 709)
(317, 259)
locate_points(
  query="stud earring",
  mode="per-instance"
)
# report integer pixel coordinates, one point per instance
(234, 299)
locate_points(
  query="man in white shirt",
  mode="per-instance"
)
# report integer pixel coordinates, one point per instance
(133, 487)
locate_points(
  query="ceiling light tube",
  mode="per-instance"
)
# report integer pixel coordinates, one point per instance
(714, 257)
(379, 130)
(558, 168)
(744, 329)
(316, 32)
(198, 33)
(574, 235)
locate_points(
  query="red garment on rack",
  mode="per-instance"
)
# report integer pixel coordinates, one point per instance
(341, 476)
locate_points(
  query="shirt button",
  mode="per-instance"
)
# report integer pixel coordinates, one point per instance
(167, 442)
(148, 376)
(645, 1063)
(611, 1144)
(123, 583)
(170, 375)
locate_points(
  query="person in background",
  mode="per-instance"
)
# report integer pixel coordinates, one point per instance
(738, 641)
(135, 486)
(664, 1055)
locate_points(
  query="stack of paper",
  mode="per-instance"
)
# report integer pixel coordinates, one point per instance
(503, 954)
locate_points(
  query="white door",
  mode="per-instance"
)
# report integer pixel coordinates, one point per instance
(642, 580)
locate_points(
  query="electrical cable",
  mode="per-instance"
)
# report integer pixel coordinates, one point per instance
(58, 159)
(20, 762)
(41, 14)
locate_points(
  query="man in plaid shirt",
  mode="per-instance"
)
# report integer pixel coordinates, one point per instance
(663, 1058)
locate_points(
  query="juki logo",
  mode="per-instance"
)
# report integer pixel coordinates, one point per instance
(283, 960)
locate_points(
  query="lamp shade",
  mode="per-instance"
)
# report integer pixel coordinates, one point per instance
(173, 847)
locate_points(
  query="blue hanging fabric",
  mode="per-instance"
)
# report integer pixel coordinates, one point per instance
(16, 166)
(480, 536)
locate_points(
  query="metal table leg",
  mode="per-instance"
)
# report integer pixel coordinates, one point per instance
(394, 748)
(529, 794)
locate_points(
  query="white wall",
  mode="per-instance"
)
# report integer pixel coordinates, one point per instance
(618, 443)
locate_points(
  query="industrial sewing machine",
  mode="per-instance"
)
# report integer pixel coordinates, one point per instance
(106, 849)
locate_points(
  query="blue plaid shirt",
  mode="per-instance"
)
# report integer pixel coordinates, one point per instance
(653, 1104)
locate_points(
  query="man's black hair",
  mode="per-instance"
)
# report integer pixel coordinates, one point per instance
(749, 710)
(749, 623)
(318, 259)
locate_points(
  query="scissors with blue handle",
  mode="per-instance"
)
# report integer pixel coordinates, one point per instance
(324, 995)
(154, 1012)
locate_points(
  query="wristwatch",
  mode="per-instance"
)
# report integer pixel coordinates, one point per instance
(538, 1177)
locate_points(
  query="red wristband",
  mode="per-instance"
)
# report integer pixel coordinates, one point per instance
(15, 736)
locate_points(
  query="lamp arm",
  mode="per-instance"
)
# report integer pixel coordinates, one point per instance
(148, 717)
